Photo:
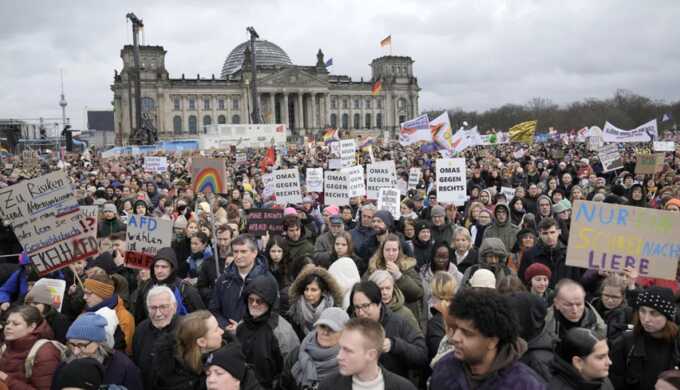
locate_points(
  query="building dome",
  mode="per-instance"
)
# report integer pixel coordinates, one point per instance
(266, 53)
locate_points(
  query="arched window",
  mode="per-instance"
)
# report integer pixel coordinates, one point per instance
(378, 121)
(345, 121)
(193, 126)
(334, 121)
(357, 121)
(207, 121)
(221, 120)
(368, 121)
(236, 119)
(177, 124)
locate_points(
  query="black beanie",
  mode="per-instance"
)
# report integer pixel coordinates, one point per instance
(229, 358)
(85, 373)
(659, 299)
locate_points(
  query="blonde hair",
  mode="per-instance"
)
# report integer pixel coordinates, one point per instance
(443, 286)
(190, 328)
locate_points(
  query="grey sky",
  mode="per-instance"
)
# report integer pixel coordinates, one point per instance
(469, 54)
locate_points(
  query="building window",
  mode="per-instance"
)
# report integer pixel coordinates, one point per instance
(378, 121)
(207, 121)
(402, 118)
(192, 103)
(334, 121)
(221, 120)
(345, 103)
(178, 103)
(368, 103)
(357, 104)
(380, 103)
(220, 104)
(206, 103)
(368, 121)
(193, 124)
(345, 121)
(334, 103)
(234, 103)
(236, 119)
(177, 124)
(357, 121)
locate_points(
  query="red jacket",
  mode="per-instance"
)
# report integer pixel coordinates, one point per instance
(46, 361)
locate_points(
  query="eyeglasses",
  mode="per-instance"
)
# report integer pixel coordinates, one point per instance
(358, 308)
(80, 346)
(256, 301)
(159, 307)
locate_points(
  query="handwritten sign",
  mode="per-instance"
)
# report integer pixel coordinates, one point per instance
(348, 150)
(88, 220)
(287, 186)
(155, 164)
(314, 180)
(509, 193)
(261, 221)
(451, 180)
(414, 175)
(610, 157)
(382, 174)
(268, 183)
(649, 164)
(612, 237)
(336, 188)
(56, 287)
(145, 236)
(388, 199)
(355, 180)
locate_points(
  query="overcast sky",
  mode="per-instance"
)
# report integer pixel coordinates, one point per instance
(468, 54)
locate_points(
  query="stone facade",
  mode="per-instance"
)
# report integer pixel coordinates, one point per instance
(306, 98)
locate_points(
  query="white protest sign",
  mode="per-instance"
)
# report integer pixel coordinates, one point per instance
(355, 180)
(335, 163)
(382, 174)
(88, 220)
(348, 150)
(287, 186)
(144, 237)
(155, 164)
(509, 192)
(268, 183)
(314, 180)
(45, 217)
(388, 199)
(451, 180)
(335, 149)
(56, 287)
(610, 158)
(664, 146)
(336, 188)
(414, 175)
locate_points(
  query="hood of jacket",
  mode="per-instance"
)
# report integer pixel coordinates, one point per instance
(167, 254)
(507, 211)
(531, 311)
(492, 246)
(264, 287)
(345, 272)
(297, 289)
(397, 301)
(506, 355)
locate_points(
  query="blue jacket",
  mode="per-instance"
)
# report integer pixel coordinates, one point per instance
(16, 286)
(227, 303)
(193, 264)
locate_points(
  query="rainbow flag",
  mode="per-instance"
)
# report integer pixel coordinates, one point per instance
(366, 143)
(330, 135)
(376, 88)
(387, 41)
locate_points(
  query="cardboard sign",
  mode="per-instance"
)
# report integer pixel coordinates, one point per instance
(56, 287)
(208, 175)
(414, 175)
(144, 237)
(261, 221)
(612, 237)
(451, 180)
(649, 164)
(314, 180)
(336, 188)
(664, 146)
(382, 174)
(348, 150)
(45, 217)
(509, 193)
(287, 186)
(355, 180)
(88, 220)
(155, 164)
(610, 158)
(388, 199)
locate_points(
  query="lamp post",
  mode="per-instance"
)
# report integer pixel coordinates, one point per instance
(256, 116)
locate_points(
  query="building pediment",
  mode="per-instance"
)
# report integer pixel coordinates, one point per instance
(292, 78)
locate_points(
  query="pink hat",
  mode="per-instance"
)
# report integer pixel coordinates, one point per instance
(289, 211)
(332, 210)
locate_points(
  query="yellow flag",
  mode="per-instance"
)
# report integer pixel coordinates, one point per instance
(523, 132)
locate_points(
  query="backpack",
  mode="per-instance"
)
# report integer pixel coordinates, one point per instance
(30, 359)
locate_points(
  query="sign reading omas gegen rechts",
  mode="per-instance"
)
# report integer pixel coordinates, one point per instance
(287, 186)
(451, 180)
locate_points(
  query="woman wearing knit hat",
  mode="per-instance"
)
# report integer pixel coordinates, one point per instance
(40, 297)
(100, 298)
(652, 347)
(86, 338)
(226, 369)
(537, 277)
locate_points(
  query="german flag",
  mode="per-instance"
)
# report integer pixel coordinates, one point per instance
(523, 132)
(376, 88)
(387, 41)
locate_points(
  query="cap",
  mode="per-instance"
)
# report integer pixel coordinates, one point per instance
(334, 318)
(110, 207)
(537, 269)
(438, 211)
(483, 278)
(89, 326)
(336, 220)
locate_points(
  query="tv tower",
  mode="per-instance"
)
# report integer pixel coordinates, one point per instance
(62, 101)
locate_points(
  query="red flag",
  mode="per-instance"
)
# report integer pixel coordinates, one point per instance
(269, 159)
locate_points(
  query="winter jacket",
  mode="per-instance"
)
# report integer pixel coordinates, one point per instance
(631, 357)
(107, 227)
(434, 333)
(554, 258)
(565, 377)
(360, 236)
(46, 361)
(296, 292)
(168, 371)
(126, 323)
(182, 247)
(15, 287)
(207, 275)
(391, 380)
(299, 249)
(143, 343)
(617, 319)
(422, 251)
(398, 308)
(540, 352)
(324, 246)
(346, 274)
(196, 260)
(227, 301)
(59, 324)
(118, 370)
(506, 231)
(408, 344)
(507, 373)
(443, 233)
(591, 320)
(410, 283)
(471, 258)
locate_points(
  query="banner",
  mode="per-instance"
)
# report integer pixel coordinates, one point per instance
(56, 288)
(336, 188)
(388, 199)
(355, 180)
(208, 175)
(243, 136)
(348, 150)
(287, 186)
(649, 164)
(155, 164)
(144, 237)
(451, 181)
(464, 139)
(415, 130)
(261, 221)
(314, 180)
(643, 133)
(664, 146)
(611, 237)
(610, 158)
(45, 217)
(523, 132)
(414, 175)
(379, 175)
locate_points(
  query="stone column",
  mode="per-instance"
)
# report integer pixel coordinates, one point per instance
(284, 110)
(327, 109)
(272, 107)
(299, 111)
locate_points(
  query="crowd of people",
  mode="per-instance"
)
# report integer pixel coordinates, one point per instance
(475, 295)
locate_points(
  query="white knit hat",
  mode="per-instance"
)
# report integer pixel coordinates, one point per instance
(483, 278)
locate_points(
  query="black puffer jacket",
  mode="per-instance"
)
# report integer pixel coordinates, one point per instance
(168, 372)
(554, 258)
(637, 360)
(565, 377)
(617, 319)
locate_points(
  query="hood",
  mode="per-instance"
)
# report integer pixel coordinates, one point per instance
(507, 211)
(386, 217)
(492, 245)
(297, 289)
(531, 311)
(105, 262)
(167, 254)
(397, 301)
(507, 354)
(346, 274)
(264, 287)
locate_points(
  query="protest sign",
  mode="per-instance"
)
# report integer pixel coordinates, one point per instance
(644, 133)
(88, 220)
(355, 181)
(261, 221)
(415, 130)
(388, 199)
(45, 216)
(611, 237)
(241, 158)
(610, 157)
(664, 146)
(336, 188)
(144, 237)
(56, 288)
(348, 149)
(268, 183)
(649, 164)
(334, 148)
(314, 180)
(208, 175)
(382, 174)
(451, 180)
(335, 163)
(414, 178)
(155, 164)
(509, 193)
(287, 186)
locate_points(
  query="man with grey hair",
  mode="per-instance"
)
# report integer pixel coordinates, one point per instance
(363, 232)
(161, 304)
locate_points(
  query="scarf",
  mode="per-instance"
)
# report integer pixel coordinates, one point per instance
(314, 363)
(305, 315)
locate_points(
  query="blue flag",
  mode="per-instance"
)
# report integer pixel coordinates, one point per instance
(329, 62)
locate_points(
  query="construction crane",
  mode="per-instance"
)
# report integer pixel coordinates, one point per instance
(142, 133)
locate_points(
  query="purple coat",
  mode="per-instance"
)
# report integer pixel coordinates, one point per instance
(448, 374)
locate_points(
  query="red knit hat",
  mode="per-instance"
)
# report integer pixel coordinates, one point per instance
(536, 269)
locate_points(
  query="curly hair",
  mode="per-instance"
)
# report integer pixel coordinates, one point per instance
(489, 312)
